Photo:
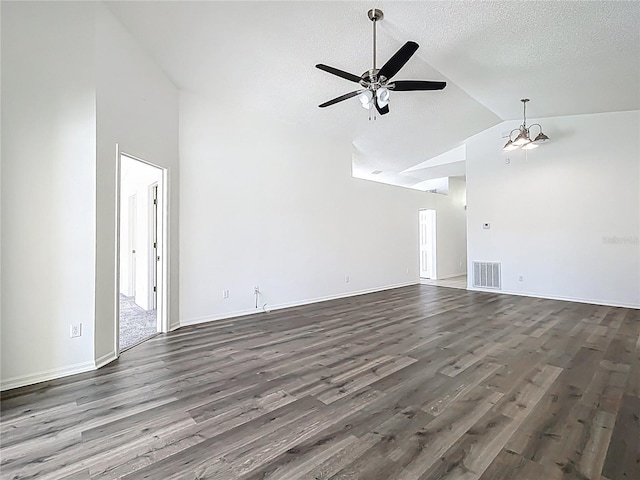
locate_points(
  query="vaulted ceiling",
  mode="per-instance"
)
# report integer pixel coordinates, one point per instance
(567, 57)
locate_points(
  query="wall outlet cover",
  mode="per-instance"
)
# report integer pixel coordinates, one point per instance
(75, 330)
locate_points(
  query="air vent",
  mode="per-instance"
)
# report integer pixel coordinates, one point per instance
(376, 172)
(487, 275)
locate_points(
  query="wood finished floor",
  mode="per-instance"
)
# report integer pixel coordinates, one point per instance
(453, 282)
(414, 383)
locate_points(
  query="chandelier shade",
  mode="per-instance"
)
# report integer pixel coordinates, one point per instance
(523, 137)
(541, 138)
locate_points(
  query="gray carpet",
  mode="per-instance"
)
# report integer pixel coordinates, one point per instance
(136, 324)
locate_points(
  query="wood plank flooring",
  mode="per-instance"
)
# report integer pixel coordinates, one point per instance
(416, 383)
(452, 282)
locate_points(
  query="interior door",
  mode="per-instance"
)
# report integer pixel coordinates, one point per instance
(428, 244)
(132, 223)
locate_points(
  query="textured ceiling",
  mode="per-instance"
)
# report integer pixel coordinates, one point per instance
(568, 57)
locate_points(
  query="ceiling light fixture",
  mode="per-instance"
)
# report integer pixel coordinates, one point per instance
(366, 98)
(382, 95)
(523, 138)
(376, 83)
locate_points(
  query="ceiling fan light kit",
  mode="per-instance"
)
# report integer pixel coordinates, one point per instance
(523, 138)
(377, 83)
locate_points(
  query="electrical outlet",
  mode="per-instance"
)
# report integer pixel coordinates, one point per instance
(256, 290)
(75, 330)
(225, 293)
(521, 278)
(346, 279)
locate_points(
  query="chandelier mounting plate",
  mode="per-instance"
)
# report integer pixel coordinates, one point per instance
(375, 14)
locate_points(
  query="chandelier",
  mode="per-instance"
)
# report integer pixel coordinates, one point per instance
(523, 138)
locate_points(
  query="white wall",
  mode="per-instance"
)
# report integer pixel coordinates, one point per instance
(567, 219)
(266, 204)
(74, 83)
(137, 108)
(48, 189)
(451, 231)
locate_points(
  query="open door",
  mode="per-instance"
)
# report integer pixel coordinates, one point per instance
(427, 243)
(130, 286)
(141, 266)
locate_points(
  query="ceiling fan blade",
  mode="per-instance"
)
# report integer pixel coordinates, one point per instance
(382, 111)
(340, 98)
(395, 63)
(409, 85)
(339, 73)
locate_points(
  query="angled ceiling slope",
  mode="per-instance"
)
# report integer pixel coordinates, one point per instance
(568, 57)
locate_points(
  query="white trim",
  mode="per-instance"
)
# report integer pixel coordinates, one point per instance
(105, 359)
(24, 380)
(240, 313)
(165, 264)
(116, 279)
(605, 303)
(31, 379)
(221, 316)
(444, 277)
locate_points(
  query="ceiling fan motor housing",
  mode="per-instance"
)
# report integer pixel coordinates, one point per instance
(370, 79)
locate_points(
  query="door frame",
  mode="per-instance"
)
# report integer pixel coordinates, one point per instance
(162, 266)
(154, 240)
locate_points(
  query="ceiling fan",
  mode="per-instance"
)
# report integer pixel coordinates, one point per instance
(376, 82)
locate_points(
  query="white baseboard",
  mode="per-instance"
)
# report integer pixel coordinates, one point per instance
(103, 360)
(554, 297)
(444, 277)
(214, 318)
(299, 303)
(24, 380)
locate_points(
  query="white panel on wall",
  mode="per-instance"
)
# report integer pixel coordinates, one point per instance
(137, 109)
(452, 230)
(267, 204)
(565, 217)
(48, 189)
(74, 83)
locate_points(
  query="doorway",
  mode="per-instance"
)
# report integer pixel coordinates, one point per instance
(427, 219)
(140, 265)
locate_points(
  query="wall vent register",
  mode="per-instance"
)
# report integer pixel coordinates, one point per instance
(487, 275)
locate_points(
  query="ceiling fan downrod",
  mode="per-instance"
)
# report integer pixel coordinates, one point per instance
(374, 15)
